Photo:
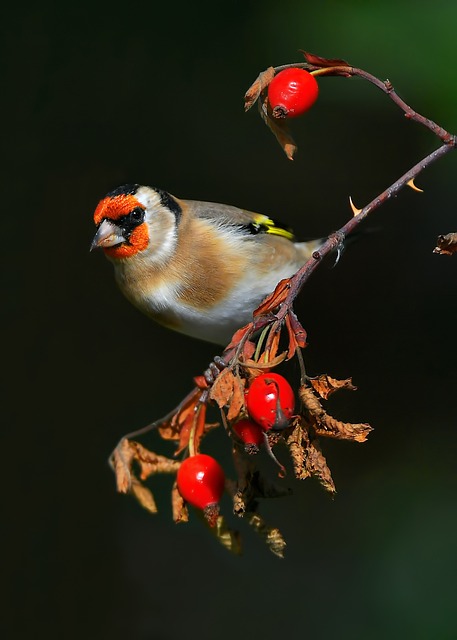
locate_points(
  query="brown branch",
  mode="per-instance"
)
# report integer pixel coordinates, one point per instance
(278, 305)
(385, 86)
(337, 239)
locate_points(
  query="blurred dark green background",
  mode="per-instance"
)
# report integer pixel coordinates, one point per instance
(99, 94)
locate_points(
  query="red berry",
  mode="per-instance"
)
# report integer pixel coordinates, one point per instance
(270, 401)
(249, 432)
(292, 92)
(200, 480)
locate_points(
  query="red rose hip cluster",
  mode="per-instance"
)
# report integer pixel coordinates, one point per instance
(270, 404)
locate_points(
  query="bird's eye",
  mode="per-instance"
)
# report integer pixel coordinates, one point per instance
(137, 215)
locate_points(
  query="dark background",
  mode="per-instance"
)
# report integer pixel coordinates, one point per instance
(96, 95)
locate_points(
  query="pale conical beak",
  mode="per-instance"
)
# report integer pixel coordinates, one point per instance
(108, 235)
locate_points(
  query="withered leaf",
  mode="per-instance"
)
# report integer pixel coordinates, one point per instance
(316, 465)
(189, 429)
(259, 367)
(222, 389)
(228, 390)
(297, 450)
(181, 423)
(229, 538)
(171, 429)
(325, 385)
(272, 346)
(198, 427)
(279, 128)
(125, 455)
(121, 462)
(237, 399)
(179, 508)
(328, 426)
(150, 463)
(446, 244)
(318, 61)
(248, 349)
(143, 495)
(261, 82)
(237, 337)
(270, 535)
(310, 401)
(297, 335)
(274, 299)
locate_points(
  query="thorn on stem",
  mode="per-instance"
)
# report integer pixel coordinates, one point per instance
(411, 184)
(355, 211)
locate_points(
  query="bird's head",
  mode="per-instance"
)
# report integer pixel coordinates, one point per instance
(133, 220)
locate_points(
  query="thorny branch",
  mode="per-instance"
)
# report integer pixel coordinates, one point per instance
(247, 356)
(320, 67)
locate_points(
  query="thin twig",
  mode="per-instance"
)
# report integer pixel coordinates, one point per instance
(336, 239)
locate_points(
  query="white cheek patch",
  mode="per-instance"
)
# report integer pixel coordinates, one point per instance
(161, 224)
(162, 244)
(149, 198)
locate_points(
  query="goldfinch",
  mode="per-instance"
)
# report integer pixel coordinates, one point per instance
(199, 268)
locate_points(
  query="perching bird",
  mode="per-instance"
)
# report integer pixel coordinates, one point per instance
(199, 268)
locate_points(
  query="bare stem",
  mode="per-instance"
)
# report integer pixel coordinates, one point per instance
(336, 239)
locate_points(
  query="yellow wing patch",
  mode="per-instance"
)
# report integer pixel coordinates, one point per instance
(264, 224)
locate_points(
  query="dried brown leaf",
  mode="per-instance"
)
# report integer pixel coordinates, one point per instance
(185, 420)
(279, 128)
(307, 456)
(150, 463)
(310, 401)
(171, 429)
(121, 462)
(325, 385)
(272, 301)
(179, 508)
(237, 337)
(229, 538)
(297, 335)
(248, 349)
(260, 83)
(332, 428)
(316, 464)
(222, 389)
(446, 245)
(237, 399)
(199, 426)
(297, 451)
(271, 536)
(250, 365)
(228, 390)
(272, 345)
(143, 495)
(328, 426)
(318, 61)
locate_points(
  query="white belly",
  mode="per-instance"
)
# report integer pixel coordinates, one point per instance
(218, 323)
